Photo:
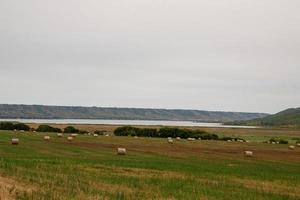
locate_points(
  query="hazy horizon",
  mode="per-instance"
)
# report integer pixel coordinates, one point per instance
(233, 55)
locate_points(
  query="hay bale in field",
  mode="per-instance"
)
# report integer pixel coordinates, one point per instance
(46, 138)
(298, 144)
(170, 141)
(106, 135)
(178, 138)
(240, 140)
(229, 141)
(95, 135)
(273, 142)
(248, 153)
(70, 138)
(74, 134)
(121, 151)
(136, 137)
(15, 141)
(247, 141)
(59, 134)
(291, 147)
(191, 139)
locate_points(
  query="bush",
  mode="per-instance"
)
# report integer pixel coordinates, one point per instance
(226, 138)
(164, 133)
(6, 126)
(71, 129)
(182, 133)
(21, 126)
(126, 131)
(13, 126)
(147, 132)
(281, 141)
(209, 137)
(47, 128)
(278, 140)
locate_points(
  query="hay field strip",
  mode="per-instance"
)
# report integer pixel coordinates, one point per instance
(89, 168)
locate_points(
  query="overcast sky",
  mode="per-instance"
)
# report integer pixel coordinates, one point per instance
(231, 55)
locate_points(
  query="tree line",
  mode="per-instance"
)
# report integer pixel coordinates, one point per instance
(166, 132)
(41, 128)
(68, 129)
(14, 126)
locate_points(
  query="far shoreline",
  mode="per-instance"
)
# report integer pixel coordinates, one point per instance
(114, 122)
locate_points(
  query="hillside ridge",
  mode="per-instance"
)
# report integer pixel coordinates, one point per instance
(13, 111)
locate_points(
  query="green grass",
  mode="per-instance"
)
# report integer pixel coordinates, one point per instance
(89, 168)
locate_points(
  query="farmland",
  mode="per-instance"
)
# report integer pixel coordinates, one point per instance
(89, 168)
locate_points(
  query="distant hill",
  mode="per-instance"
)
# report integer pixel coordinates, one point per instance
(67, 112)
(289, 117)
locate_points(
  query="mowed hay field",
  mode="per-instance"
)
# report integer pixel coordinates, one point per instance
(89, 168)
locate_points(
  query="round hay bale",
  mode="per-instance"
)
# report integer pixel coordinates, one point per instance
(248, 153)
(59, 134)
(178, 138)
(298, 144)
(171, 141)
(15, 141)
(74, 135)
(122, 151)
(106, 135)
(95, 135)
(136, 137)
(46, 138)
(70, 138)
(291, 147)
(191, 139)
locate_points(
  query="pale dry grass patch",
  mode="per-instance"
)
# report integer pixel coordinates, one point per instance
(136, 172)
(269, 186)
(9, 188)
(274, 187)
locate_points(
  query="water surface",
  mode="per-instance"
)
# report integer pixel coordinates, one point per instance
(126, 122)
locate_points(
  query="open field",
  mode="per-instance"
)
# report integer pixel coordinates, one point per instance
(89, 168)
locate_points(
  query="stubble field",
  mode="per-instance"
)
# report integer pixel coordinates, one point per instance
(89, 167)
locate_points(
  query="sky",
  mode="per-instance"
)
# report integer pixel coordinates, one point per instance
(226, 55)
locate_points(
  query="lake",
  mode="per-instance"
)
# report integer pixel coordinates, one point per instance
(126, 122)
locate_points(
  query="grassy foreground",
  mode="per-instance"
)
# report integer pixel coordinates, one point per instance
(89, 168)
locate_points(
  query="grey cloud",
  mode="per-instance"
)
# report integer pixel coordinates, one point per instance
(219, 55)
